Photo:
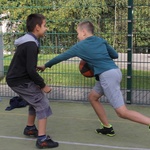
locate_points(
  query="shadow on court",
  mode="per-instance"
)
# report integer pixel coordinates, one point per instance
(73, 126)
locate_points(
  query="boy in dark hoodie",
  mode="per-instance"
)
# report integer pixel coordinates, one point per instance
(23, 79)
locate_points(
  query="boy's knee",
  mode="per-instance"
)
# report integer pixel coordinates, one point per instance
(93, 96)
(90, 96)
(122, 114)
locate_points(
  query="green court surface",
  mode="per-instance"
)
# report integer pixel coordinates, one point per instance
(73, 126)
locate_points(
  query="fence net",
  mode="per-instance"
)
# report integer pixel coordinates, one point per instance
(111, 19)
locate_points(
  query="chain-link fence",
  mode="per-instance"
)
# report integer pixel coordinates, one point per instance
(124, 24)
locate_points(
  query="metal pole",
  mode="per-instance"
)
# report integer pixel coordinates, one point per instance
(1, 54)
(129, 52)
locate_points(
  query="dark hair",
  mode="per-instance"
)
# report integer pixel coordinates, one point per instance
(87, 25)
(33, 20)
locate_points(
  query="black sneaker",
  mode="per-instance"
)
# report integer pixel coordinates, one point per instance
(106, 131)
(30, 131)
(46, 143)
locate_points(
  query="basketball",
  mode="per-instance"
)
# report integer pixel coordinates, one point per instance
(85, 69)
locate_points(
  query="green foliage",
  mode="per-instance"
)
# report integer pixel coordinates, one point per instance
(141, 14)
(109, 17)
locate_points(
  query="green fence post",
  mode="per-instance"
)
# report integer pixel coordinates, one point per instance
(1, 53)
(129, 52)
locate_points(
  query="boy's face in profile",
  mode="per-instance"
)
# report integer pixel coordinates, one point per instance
(41, 29)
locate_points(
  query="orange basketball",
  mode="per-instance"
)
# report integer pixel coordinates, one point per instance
(85, 70)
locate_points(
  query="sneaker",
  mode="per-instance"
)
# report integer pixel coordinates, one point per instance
(46, 143)
(30, 131)
(106, 131)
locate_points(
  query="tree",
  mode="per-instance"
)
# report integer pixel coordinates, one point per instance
(141, 30)
(108, 16)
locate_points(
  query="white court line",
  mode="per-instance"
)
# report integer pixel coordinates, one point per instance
(79, 144)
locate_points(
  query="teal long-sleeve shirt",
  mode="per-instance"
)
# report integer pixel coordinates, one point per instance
(94, 50)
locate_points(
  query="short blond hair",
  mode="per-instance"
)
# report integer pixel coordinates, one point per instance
(87, 25)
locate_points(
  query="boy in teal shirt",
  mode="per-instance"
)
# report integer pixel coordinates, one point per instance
(99, 55)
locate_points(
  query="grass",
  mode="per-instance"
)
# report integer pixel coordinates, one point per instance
(67, 74)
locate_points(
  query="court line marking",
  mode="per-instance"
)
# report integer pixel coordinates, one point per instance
(79, 144)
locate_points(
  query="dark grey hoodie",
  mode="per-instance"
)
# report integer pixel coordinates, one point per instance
(22, 68)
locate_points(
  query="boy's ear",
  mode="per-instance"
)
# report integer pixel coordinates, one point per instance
(37, 27)
(84, 32)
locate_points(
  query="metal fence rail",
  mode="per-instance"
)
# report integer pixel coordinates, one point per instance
(125, 25)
